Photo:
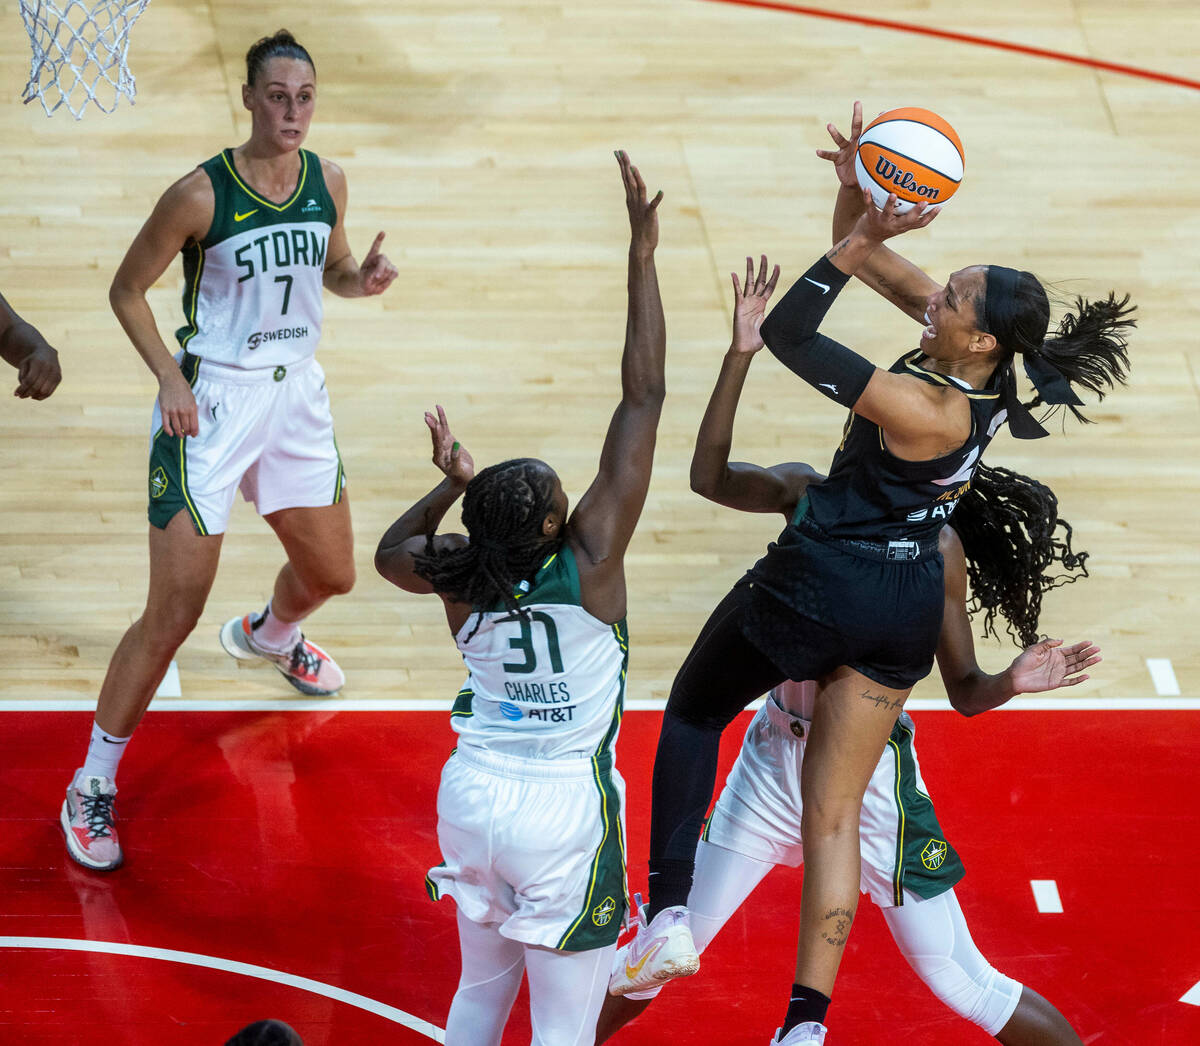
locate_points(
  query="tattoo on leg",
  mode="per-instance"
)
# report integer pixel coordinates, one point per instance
(836, 928)
(883, 701)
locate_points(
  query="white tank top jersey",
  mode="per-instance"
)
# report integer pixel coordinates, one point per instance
(252, 292)
(545, 684)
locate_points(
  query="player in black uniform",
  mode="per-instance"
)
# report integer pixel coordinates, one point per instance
(851, 593)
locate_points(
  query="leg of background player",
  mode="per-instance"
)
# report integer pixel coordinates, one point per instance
(933, 936)
(492, 967)
(566, 990)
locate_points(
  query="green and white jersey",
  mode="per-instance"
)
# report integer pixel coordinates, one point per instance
(547, 684)
(252, 285)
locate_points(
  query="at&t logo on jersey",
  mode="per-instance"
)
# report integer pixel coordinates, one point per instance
(510, 711)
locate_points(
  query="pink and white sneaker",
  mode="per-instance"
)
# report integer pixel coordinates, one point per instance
(87, 821)
(662, 950)
(810, 1033)
(306, 666)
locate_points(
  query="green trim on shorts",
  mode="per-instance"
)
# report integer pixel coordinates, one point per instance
(168, 491)
(926, 863)
(462, 703)
(339, 483)
(431, 887)
(603, 913)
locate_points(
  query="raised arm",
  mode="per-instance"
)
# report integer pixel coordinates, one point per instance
(22, 345)
(1047, 665)
(409, 534)
(739, 484)
(604, 520)
(343, 275)
(920, 420)
(184, 213)
(885, 271)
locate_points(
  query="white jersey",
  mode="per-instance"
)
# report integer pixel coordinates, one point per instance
(547, 683)
(252, 293)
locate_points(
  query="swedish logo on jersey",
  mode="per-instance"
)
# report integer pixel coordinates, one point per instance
(158, 483)
(934, 854)
(603, 912)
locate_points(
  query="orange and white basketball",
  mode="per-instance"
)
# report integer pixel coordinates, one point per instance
(910, 152)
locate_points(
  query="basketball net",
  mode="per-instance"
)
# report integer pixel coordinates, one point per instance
(79, 53)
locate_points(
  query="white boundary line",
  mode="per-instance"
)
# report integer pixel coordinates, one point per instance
(1024, 703)
(264, 973)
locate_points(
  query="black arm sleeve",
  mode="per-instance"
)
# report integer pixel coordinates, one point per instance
(790, 332)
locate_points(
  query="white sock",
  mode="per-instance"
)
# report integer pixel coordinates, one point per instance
(104, 754)
(273, 634)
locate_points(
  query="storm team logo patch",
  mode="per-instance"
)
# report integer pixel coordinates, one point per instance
(603, 912)
(934, 854)
(158, 483)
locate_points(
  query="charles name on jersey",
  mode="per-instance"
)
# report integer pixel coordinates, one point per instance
(541, 693)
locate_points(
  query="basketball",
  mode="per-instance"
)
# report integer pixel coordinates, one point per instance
(910, 152)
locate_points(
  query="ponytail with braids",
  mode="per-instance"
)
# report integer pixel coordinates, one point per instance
(503, 509)
(1089, 349)
(1013, 539)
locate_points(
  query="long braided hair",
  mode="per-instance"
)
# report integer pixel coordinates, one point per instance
(1089, 348)
(503, 509)
(1014, 544)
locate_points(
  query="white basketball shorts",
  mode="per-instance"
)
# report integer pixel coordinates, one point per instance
(759, 811)
(268, 432)
(535, 846)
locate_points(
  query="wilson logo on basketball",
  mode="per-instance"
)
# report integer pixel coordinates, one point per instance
(888, 171)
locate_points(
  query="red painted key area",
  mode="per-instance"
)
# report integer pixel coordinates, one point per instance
(298, 842)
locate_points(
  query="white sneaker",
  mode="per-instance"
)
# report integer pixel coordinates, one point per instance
(87, 822)
(661, 951)
(306, 666)
(808, 1034)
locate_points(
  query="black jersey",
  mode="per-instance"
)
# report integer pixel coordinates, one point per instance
(872, 495)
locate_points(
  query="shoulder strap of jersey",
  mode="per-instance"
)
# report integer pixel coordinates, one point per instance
(911, 364)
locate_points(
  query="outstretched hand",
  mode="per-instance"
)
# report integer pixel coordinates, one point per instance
(881, 224)
(1049, 665)
(376, 273)
(843, 156)
(643, 216)
(448, 454)
(750, 305)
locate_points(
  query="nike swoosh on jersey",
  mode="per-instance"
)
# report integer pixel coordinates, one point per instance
(242, 217)
(824, 286)
(632, 971)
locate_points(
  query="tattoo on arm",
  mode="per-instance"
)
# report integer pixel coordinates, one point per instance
(836, 926)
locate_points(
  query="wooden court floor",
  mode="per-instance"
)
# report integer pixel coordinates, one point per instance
(479, 136)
